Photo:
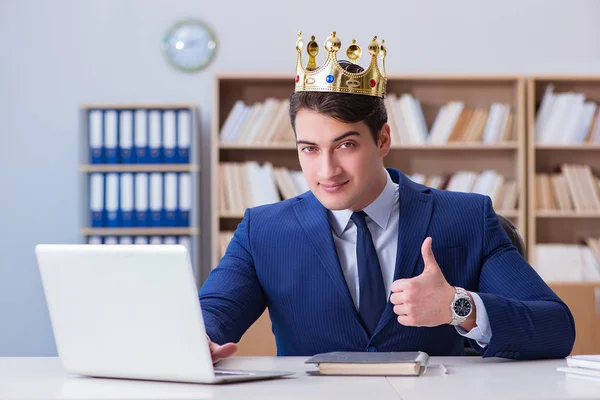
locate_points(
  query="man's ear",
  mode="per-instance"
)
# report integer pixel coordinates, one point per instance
(384, 140)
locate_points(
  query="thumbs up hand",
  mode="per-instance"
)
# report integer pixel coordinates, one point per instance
(425, 299)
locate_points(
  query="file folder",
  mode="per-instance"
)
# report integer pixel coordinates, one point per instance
(126, 137)
(126, 197)
(156, 199)
(110, 136)
(94, 240)
(112, 199)
(185, 198)
(140, 240)
(141, 149)
(142, 216)
(156, 240)
(170, 240)
(184, 136)
(111, 240)
(97, 199)
(169, 136)
(95, 137)
(155, 137)
(170, 192)
(125, 240)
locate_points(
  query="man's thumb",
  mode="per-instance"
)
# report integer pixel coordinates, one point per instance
(427, 253)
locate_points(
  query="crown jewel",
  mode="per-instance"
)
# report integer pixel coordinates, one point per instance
(331, 77)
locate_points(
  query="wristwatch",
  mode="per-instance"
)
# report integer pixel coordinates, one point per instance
(461, 306)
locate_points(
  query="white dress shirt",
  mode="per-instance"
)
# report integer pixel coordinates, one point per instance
(382, 221)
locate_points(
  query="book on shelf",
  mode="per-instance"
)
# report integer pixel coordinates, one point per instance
(503, 192)
(260, 123)
(250, 184)
(370, 363)
(557, 262)
(267, 122)
(140, 240)
(566, 118)
(575, 188)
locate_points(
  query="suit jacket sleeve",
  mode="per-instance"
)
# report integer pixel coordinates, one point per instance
(231, 299)
(527, 318)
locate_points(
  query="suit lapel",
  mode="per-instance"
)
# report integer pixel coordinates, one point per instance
(313, 219)
(414, 215)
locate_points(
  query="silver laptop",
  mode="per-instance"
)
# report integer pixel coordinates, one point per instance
(129, 311)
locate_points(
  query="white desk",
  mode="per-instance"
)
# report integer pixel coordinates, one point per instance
(467, 377)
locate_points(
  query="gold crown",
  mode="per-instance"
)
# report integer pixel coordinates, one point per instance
(331, 77)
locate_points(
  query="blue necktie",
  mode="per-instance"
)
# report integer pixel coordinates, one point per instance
(372, 298)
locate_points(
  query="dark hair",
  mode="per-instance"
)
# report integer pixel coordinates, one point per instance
(342, 106)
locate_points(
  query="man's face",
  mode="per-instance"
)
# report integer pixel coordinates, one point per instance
(341, 162)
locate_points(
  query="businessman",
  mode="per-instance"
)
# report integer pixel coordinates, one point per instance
(368, 260)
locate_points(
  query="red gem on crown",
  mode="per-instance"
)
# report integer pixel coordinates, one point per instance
(372, 83)
(297, 78)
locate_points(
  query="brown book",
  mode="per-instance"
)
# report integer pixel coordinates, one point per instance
(461, 125)
(370, 363)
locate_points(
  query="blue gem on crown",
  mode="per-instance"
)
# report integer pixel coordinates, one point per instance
(329, 78)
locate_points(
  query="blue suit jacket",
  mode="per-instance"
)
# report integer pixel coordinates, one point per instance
(283, 257)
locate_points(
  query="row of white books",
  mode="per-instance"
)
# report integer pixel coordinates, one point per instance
(569, 262)
(575, 188)
(263, 123)
(503, 192)
(455, 122)
(153, 239)
(267, 122)
(250, 184)
(567, 118)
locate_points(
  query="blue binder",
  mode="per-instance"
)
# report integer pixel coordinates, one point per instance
(169, 125)
(156, 199)
(141, 150)
(155, 137)
(96, 136)
(111, 136)
(126, 137)
(112, 200)
(184, 199)
(142, 196)
(126, 200)
(170, 199)
(184, 136)
(96, 181)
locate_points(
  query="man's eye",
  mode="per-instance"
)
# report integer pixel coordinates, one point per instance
(308, 149)
(347, 145)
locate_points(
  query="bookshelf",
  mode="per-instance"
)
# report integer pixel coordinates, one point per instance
(507, 156)
(553, 143)
(156, 142)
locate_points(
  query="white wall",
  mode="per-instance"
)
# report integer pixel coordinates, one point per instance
(56, 55)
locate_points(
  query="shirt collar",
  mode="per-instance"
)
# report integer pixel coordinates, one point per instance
(379, 210)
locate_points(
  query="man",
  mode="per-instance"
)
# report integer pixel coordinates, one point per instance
(368, 260)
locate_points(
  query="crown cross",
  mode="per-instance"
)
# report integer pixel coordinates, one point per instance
(331, 77)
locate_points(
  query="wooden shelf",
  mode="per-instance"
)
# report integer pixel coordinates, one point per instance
(158, 231)
(232, 215)
(458, 146)
(277, 146)
(568, 147)
(139, 168)
(566, 214)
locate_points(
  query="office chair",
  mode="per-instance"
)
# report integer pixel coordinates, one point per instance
(517, 241)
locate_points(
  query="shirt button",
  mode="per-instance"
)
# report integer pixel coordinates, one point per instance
(371, 349)
(498, 354)
(510, 353)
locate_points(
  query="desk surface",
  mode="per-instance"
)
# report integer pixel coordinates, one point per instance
(44, 378)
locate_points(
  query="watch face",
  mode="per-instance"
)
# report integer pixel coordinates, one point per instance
(462, 307)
